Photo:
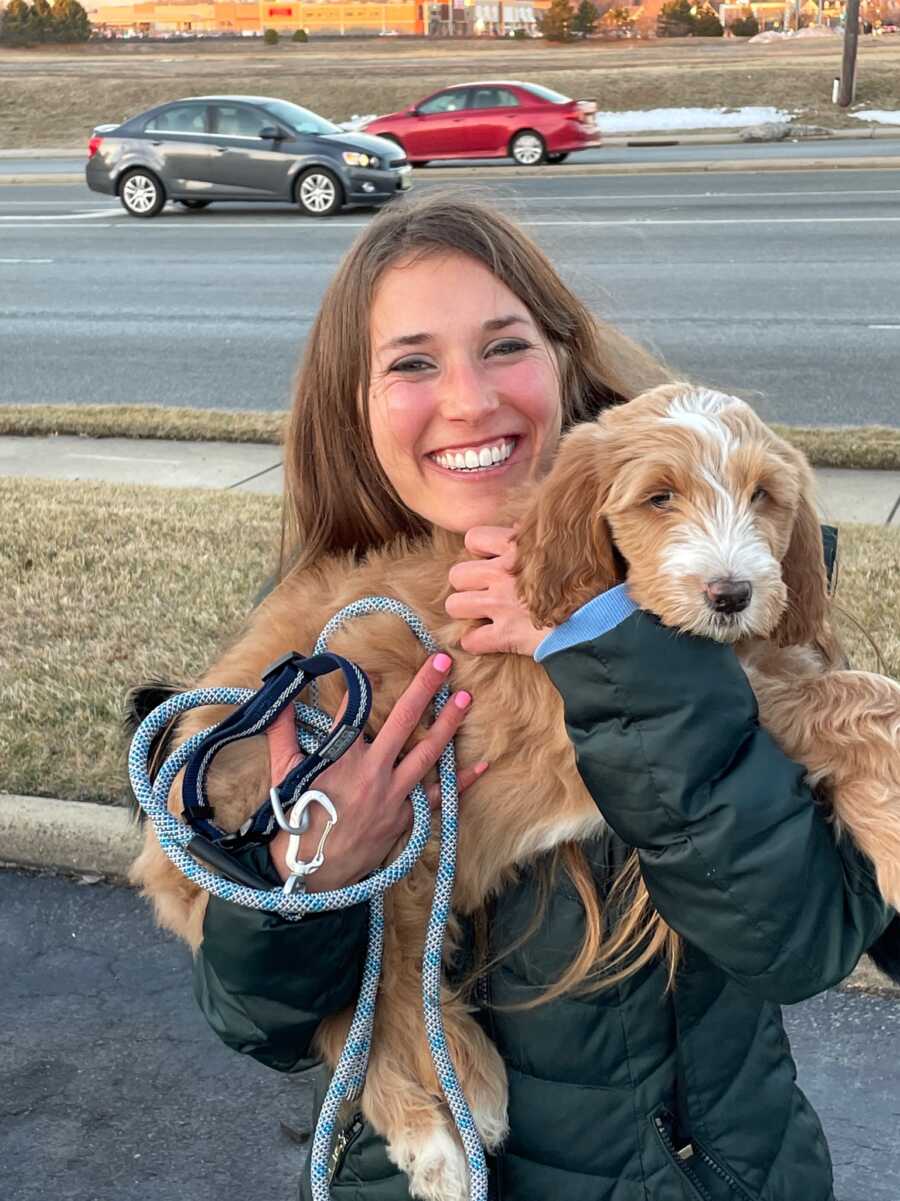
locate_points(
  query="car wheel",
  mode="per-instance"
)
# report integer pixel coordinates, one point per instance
(141, 193)
(557, 158)
(195, 204)
(318, 193)
(528, 148)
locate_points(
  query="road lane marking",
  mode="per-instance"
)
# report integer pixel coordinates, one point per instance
(810, 195)
(5, 261)
(883, 327)
(58, 216)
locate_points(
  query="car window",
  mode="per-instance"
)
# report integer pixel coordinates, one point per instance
(492, 98)
(180, 118)
(445, 102)
(301, 120)
(539, 90)
(238, 121)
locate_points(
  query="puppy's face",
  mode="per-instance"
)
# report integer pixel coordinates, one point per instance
(701, 504)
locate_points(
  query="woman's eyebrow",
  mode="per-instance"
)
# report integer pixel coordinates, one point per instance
(496, 323)
(502, 322)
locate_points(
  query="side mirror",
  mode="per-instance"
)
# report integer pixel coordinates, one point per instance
(412, 111)
(272, 133)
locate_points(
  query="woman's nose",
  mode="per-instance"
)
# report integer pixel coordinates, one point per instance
(466, 395)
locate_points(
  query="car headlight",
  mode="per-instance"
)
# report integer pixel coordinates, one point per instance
(358, 158)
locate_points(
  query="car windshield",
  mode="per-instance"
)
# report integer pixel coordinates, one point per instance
(300, 120)
(548, 94)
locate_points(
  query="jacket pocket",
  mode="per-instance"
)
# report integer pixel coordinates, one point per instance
(706, 1177)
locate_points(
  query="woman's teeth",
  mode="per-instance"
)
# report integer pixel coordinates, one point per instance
(475, 460)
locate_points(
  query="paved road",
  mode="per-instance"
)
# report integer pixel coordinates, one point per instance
(114, 1089)
(783, 287)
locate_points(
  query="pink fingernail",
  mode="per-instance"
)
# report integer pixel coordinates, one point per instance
(442, 662)
(462, 700)
(480, 768)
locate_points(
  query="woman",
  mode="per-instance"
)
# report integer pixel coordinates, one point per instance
(446, 334)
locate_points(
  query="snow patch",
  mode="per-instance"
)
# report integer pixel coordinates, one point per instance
(687, 118)
(883, 116)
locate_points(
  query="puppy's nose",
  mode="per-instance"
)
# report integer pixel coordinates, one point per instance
(728, 596)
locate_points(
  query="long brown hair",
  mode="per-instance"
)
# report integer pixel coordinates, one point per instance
(338, 498)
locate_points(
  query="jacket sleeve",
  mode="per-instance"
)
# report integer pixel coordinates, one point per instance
(736, 853)
(265, 983)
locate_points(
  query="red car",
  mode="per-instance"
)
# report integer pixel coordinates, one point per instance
(524, 121)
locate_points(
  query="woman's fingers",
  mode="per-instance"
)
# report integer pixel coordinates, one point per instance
(410, 708)
(415, 765)
(464, 779)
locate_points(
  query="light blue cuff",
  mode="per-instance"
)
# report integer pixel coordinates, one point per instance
(597, 617)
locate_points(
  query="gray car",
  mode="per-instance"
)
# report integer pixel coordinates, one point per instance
(210, 148)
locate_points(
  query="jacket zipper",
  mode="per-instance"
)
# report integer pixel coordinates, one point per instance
(680, 1157)
(342, 1142)
(688, 1151)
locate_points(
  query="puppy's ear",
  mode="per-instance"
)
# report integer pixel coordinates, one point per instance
(565, 554)
(805, 619)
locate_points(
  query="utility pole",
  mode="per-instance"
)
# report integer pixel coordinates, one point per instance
(848, 66)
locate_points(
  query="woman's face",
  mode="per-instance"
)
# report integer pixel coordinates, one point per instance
(464, 402)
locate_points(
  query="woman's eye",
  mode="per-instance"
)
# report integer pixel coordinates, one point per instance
(412, 365)
(661, 500)
(759, 494)
(508, 346)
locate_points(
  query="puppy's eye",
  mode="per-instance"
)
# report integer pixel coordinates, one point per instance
(661, 500)
(759, 494)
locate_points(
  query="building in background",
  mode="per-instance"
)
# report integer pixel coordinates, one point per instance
(409, 17)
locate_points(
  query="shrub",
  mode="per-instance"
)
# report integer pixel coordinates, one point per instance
(17, 24)
(675, 20)
(270, 37)
(556, 23)
(300, 35)
(586, 18)
(520, 35)
(746, 26)
(707, 24)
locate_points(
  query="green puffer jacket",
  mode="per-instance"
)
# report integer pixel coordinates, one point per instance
(629, 1094)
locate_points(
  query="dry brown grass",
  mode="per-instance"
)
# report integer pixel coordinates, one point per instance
(876, 447)
(142, 421)
(106, 586)
(54, 98)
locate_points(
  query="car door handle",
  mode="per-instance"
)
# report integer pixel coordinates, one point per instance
(223, 150)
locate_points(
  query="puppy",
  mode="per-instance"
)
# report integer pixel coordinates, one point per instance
(687, 495)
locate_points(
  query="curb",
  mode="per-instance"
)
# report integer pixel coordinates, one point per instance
(82, 837)
(864, 162)
(68, 836)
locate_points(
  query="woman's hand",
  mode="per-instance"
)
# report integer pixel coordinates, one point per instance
(367, 785)
(485, 588)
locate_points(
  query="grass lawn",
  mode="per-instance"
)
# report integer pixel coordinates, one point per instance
(106, 586)
(54, 97)
(873, 446)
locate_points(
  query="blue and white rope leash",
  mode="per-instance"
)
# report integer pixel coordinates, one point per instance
(175, 836)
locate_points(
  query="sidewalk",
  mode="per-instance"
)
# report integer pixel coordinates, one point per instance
(844, 495)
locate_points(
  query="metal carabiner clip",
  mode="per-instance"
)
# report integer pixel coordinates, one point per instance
(296, 827)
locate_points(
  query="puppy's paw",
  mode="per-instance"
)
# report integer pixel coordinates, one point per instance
(491, 1121)
(435, 1164)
